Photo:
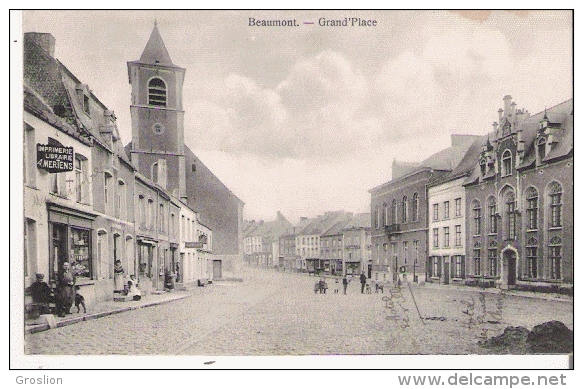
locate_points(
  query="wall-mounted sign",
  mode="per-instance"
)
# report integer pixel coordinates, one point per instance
(193, 245)
(54, 158)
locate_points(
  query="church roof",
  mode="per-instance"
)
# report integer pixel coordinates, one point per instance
(155, 52)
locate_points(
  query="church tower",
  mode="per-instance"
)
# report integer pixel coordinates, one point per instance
(157, 147)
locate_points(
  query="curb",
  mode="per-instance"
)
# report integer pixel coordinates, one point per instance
(44, 327)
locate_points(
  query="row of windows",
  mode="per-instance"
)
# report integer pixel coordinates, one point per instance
(446, 210)
(381, 217)
(394, 247)
(457, 266)
(506, 159)
(446, 235)
(554, 206)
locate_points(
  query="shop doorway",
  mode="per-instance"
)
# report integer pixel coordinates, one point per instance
(58, 249)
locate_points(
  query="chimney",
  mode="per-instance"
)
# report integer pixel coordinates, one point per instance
(507, 101)
(45, 40)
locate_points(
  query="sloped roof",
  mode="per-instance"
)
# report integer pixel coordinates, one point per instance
(34, 104)
(339, 225)
(359, 220)
(401, 168)
(155, 52)
(560, 114)
(321, 224)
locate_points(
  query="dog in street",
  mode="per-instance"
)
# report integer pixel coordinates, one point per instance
(79, 300)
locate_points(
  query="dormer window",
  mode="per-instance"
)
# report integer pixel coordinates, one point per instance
(541, 150)
(483, 167)
(506, 163)
(86, 104)
(157, 92)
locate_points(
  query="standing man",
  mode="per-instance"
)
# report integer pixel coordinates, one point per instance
(344, 283)
(66, 291)
(362, 282)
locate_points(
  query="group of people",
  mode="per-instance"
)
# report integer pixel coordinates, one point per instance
(60, 297)
(345, 281)
(61, 294)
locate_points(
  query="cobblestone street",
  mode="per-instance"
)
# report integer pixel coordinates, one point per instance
(273, 313)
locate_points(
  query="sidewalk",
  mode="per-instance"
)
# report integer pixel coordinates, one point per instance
(104, 309)
(510, 292)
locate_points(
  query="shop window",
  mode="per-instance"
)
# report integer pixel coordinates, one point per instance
(81, 246)
(435, 267)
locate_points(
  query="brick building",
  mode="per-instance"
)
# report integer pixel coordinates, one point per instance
(399, 210)
(519, 227)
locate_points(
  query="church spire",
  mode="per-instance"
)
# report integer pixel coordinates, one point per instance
(155, 51)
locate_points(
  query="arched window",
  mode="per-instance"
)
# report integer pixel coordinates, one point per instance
(477, 211)
(506, 163)
(532, 258)
(394, 212)
(405, 209)
(556, 203)
(531, 208)
(492, 215)
(511, 215)
(415, 210)
(155, 172)
(157, 92)
(385, 214)
(555, 258)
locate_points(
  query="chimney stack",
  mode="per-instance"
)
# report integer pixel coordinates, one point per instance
(507, 104)
(45, 40)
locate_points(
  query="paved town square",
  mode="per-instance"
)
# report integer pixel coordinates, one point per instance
(277, 313)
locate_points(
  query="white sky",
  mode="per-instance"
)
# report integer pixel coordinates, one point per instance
(307, 119)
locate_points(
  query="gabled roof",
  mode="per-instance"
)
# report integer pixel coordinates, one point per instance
(321, 224)
(359, 220)
(337, 228)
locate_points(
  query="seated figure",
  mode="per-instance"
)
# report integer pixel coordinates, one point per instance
(41, 294)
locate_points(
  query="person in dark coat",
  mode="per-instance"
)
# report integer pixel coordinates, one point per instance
(362, 282)
(41, 293)
(66, 291)
(345, 283)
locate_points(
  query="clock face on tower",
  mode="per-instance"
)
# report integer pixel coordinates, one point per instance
(157, 128)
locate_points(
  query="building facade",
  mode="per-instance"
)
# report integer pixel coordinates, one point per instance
(158, 150)
(520, 201)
